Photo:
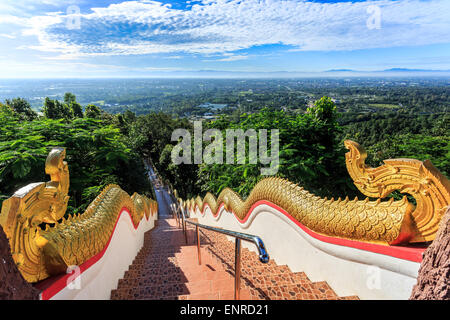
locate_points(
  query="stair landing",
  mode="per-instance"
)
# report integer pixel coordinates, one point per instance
(167, 268)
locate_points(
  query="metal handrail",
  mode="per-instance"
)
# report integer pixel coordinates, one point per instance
(263, 255)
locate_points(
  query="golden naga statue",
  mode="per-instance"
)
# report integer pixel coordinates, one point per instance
(383, 222)
(40, 253)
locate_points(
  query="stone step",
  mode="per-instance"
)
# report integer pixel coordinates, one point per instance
(254, 267)
(326, 293)
(348, 298)
(249, 258)
(129, 274)
(154, 256)
(167, 268)
(263, 280)
(269, 280)
(299, 291)
(304, 290)
(153, 264)
(147, 280)
(155, 291)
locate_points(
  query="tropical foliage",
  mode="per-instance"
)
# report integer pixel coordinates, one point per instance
(103, 148)
(97, 153)
(309, 152)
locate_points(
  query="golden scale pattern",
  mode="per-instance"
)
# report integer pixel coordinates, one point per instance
(42, 253)
(66, 242)
(383, 222)
(90, 232)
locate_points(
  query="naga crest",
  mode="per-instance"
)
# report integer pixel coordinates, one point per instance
(33, 204)
(40, 202)
(429, 187)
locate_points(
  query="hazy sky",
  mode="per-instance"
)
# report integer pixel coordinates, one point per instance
(64, 38)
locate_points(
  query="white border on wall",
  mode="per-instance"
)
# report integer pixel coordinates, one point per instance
(348, 271)
(98, 280)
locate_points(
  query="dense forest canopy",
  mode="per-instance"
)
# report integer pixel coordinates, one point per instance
(183, 97)
(97, 152)
(106, 147)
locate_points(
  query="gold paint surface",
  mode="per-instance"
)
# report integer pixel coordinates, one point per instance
(383, 222)
(429, 187)
(42, 253)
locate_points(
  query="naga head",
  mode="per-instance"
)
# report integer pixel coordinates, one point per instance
(40, 202)
(420, 179)
(36, 203)
(40, 253)
(56, 190)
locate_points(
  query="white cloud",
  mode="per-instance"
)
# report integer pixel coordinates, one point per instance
(8, 36)
(12, 20)
(227, 56)
(221, 26)
(234, 58)
(173, 57)
(12, 68)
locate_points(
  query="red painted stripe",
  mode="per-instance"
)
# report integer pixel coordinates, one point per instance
(406, 253)
(52, 286)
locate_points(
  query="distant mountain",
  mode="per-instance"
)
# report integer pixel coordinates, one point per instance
(234, 74)
(404, 70)
(385, 70)
(341, 70)
(412, 70)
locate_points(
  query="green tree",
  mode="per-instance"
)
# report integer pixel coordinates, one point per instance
(69, 98)
(77, 109)
(129, 116)
(49, 109)
(21, 107)
(64, 109)
(310, 152)
(96, 152)
(324, 109)
(92, 111)
(150, 136)
(71, 101)
(415, 146)
(54, 109)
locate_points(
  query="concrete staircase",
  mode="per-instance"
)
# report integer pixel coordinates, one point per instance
(167, 268)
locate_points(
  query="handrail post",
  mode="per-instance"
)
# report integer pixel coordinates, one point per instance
(198, 246)
(184, 225)
(178, 218)
(263, 255)
(237, 270)
(174, 215)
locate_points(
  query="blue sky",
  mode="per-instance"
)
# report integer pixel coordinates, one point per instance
(66, 38)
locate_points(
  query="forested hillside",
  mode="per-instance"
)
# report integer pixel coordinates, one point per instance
(104, 148)
(97, 152)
